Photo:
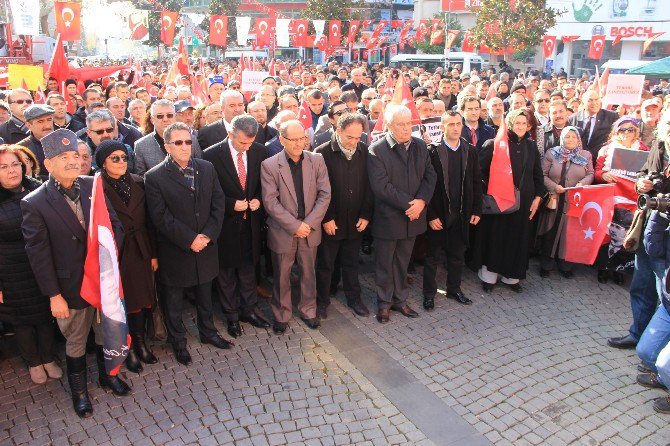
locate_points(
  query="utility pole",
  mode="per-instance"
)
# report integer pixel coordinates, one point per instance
(447, 19)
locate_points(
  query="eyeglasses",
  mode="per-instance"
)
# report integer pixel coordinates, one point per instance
(163, 116)
(338, 113)
(370, 98)
(546, 101)
(302, 138)
(100, 132)
(626, 130)
(180, 143)
(118, 159)
(5, 167)
(22, 101)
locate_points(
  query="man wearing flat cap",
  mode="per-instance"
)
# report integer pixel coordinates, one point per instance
(55, 223)
(40, 122)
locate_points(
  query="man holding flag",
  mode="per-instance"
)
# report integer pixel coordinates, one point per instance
(56, 217)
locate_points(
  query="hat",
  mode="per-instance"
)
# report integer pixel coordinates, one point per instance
(335, 78)
(517, 86)
(419, 92)
(622, 217)
(59, 141)
(474, 79)
(652, 101)
(37, 111)
(182, 105)
(624, 119)
(465, 76)
(106, 148)
(215, 80)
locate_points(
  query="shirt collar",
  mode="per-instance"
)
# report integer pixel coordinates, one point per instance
(390, 139)
(453, 149)
(288, 158)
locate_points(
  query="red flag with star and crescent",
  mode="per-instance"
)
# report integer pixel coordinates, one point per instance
(168, 26)
(68, 20)
(501, 181)
(264, 30)
(353, 30)
(300, 35)
(590, 211)
(548, 44)
(335, 33)
(305, 115)
(218, 30)
(597, 47)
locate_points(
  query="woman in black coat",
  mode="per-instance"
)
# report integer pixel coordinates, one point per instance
(21, 302)
(137, 260)
(502, 240)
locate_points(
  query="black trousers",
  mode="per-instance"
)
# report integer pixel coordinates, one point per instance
(173, 298)
(391, 261)
(449, 239)
(349, 255)
(36, 343)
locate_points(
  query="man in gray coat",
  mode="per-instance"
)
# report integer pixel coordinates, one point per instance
(296, 194)
(403, 181)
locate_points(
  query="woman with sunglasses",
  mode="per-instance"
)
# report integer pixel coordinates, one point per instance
(625, 135)
(137, 261)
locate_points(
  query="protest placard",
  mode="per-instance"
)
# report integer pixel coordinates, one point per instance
(253, 80)
(432, 128)
(32, 75)
(626, 163)
(624, 89)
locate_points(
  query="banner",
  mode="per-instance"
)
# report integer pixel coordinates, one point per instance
(242, 24)
(624, 89)
(300, 36)
(32, 75)
(138, 25)
(432, 127)
(168, 26)
(26, 14)
(253, 80)
(353, 30)
(335, 33)
(218, 30)
(589, 215)
(625, 163)
(68, 20)
(264, 30)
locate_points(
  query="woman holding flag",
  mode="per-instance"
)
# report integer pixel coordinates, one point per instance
(508, 162)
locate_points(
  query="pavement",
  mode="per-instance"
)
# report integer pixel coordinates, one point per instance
(511, 369)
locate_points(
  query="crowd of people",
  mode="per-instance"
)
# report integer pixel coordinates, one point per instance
(237, 196)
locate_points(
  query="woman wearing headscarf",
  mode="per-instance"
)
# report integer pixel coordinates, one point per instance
(21, 302)
(502, 240)
(137, 260)
(563, 166)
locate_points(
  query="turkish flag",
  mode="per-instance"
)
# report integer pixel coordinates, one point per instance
(378, 30)
(403, 96)
(548, 44)
(451, 37)
(468, 45)
(597, 47)
(404, 32)
(393, 49)
(396, 24)
(39, 96)
(366, 24)
(590, 210)
(436, 33)
(68, 20)
(501, 181)
(218, 30)
(568, 39)
(353, 30)
(168, 26)
(300, 36)
(305, 115)
(421, 31)
(264, 30)
(58, 67)
(335, 33)
(182, 58)
(624, 194)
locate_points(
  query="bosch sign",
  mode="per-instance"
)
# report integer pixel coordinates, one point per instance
(631, 31)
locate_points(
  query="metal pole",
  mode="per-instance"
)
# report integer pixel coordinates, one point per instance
(447, 19)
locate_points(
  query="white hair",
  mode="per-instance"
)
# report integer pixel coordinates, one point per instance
(230, 94)
(393, 110)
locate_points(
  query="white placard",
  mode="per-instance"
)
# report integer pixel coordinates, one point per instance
(26, 15)
(253, 80)
(624, 89)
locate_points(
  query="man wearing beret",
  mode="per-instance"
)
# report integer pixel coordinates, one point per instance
(55, 222)
(40, 122)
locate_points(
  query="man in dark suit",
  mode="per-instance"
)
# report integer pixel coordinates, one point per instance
(348, 214)
(55, 221)
(265, 133)
(15, 129)
(456, 204)
(594, 122)
(403, 181)
(237, 161)
(475, 131)
(186, 205)
(296, 194)
(232, 104)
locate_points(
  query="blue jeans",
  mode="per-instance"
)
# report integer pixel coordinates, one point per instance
(663, 366)
(645, 287)
(655, 337)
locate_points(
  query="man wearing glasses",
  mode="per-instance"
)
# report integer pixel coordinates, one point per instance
(187, 207)
(541, 101)
(15, 129)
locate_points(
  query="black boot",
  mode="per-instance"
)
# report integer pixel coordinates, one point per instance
(108, 382)
(137, 324)
(132, 361)
(76, 376)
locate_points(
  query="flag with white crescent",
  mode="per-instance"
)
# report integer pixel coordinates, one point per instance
(597, 47)
(300, 36)
(264, 30)
(548, 45)
(168, 26)
(138, 25)
(590, 211)
(218, 30)
(68, 20)
(335, 33)
(353, 30)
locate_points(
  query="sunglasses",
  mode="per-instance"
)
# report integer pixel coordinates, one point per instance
(180, 143)
(118, 159)
(109, 130)
(543, 100)
(167, 115)
(626, 130)
(338, 113)
(23, 101)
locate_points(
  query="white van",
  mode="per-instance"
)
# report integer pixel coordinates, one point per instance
(467, 61)
(621, 66)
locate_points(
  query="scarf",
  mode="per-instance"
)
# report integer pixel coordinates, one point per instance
(121, 185)
(72, 193)
(561, 154)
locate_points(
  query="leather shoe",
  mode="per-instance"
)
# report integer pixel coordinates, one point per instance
(234, 329)
(459, 297)
(383, 315)
(263, 292)
(428, 303)
(359, 308)
(322, 311)
(487, 287)
(603, 276)
(312, 323)
(662, 404)
(516, 287)
(544, 273)
(279, 327)
(256, 320)
(643, 368)
(567, 274)
(649, 380)
(218, 342)
(624, 342)
(405, 310)
(182, 356)
(618, 278)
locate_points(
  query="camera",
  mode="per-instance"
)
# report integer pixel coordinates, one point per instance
(657, 179)
(660, 202)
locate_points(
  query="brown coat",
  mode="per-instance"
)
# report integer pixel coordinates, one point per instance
(138, 246)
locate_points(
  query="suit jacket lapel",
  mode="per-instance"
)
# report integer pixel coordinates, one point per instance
(230, 164)
(58, 202)
(308, 181)
(287, 178)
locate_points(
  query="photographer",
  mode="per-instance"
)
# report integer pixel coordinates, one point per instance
(643, 290)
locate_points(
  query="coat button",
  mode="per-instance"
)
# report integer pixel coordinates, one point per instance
(197, 214)
(74, 238)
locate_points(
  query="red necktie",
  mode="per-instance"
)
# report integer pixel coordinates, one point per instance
(242, 173)
(473, 133)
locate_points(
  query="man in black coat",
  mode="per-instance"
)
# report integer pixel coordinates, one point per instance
(475, 131)
(237, 161)
(232, 104)
(348, 214)
(55, 221)
(456, 204)
(186, 205)
(15, 129)
(403, 181)
(594, 122)
(39, 120)
(265, 133)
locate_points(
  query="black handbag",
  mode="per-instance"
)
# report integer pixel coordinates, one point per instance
(489, 205)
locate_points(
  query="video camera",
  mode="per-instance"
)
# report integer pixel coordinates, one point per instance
(660, 202)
